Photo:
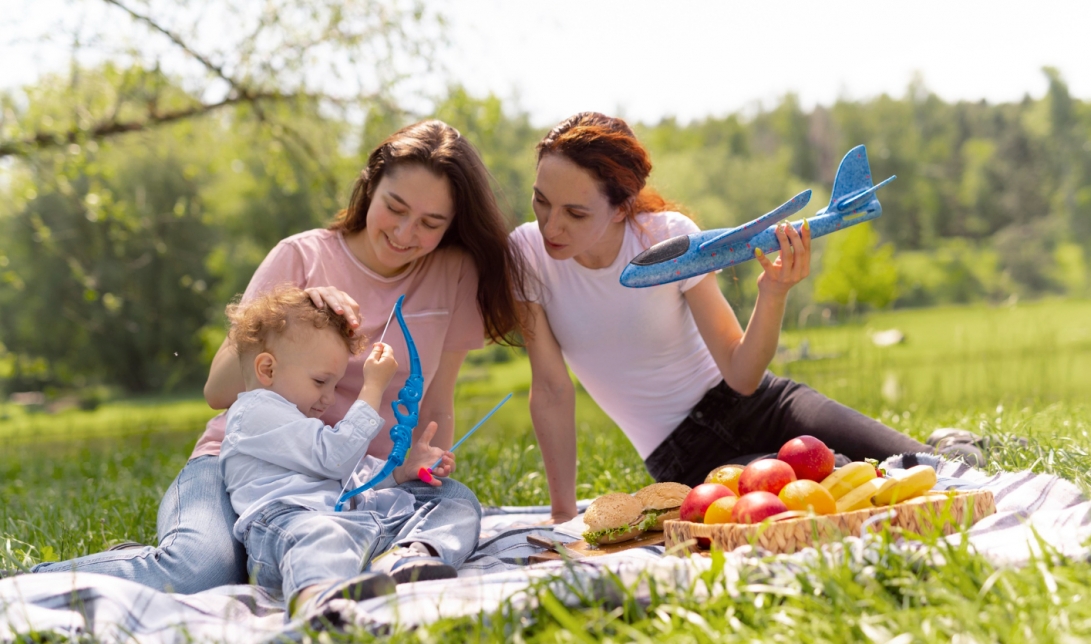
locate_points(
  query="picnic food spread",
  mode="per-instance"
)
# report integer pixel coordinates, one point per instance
(804, 480)
(781, 495)
(617, 517)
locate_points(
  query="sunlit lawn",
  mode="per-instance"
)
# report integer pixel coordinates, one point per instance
(75, 482)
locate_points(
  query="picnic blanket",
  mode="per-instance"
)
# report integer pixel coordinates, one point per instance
(496, 577)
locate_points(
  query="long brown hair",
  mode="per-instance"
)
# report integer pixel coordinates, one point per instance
(608, 148)
(478, 227)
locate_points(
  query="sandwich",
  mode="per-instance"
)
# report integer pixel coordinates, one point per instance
(613, 518)
(661, 502)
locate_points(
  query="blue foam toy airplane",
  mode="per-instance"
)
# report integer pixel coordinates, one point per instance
(678, 258)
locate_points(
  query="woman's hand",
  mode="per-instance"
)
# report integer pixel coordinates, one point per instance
(793, 262)
(339, 302)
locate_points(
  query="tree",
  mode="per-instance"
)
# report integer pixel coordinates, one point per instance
(856, 269)
(153, 174)
(338, 54)
(106, 279)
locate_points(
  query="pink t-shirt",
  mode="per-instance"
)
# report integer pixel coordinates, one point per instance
(440, 309)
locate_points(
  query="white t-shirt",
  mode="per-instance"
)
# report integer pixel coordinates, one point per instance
(637, 351)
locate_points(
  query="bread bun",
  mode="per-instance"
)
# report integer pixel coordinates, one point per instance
(662, 496)
(612, 511)
(663, 500)
(612, 518)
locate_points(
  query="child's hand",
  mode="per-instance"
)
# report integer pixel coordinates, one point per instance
(422, 455)
(380, 366)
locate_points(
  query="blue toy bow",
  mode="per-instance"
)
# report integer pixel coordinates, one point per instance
(408, 400)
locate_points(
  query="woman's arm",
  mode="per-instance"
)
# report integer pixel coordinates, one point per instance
(225, 381)
(438, 405)
(553, 412)
(743, 357)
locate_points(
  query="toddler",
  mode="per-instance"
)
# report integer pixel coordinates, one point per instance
(285, 469)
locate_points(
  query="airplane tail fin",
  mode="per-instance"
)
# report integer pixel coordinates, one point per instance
(853, 190)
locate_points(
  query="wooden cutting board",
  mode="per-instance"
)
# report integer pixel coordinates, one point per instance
(581, 549)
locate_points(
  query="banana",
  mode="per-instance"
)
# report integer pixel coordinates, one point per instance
(860, 497)
(913, 482)
(845, 479)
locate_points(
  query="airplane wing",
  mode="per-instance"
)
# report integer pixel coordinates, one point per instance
(748, 230)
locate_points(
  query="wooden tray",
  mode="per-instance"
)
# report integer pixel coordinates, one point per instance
(915, 515)
(581, 549)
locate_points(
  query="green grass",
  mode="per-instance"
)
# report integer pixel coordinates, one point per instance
(117, 419)
(953, 357)
(75, 482)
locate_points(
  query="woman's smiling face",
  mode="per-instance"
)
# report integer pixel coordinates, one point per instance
(573, 212)
(410, 211)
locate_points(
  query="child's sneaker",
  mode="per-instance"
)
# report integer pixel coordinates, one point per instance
(354, 589)
(412, 563)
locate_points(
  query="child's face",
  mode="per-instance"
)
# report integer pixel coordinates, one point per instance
(309, 363)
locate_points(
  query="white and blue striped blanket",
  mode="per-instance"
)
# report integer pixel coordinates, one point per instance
(1031, 509)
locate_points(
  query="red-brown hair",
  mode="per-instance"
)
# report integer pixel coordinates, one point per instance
(479, 226)
(608, 148)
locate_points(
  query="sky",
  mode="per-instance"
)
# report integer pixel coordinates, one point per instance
(688, 59)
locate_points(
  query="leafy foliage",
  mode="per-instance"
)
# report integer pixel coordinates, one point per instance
(855, 270)
(116, 252)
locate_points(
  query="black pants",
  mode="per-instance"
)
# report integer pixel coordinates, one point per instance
(725, 425)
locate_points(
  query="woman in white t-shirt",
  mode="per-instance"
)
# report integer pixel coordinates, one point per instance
(670, 364)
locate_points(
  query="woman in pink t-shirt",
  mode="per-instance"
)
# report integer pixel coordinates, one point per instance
(422, 222)
(670, 364)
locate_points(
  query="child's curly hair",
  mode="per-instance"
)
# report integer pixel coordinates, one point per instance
(271, 314)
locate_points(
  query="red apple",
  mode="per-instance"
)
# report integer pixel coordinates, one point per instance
(809, 457)
(699, 498)
(755, 507)
(768, 475)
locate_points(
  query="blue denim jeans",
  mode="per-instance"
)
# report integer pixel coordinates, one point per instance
(197, 550)
(291, 548)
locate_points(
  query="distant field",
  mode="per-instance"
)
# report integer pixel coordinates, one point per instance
(116, 419)
(953, 357)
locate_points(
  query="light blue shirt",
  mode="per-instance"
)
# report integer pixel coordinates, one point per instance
(273, 452)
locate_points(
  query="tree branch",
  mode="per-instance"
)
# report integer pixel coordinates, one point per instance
(43, 140)
(177, 40)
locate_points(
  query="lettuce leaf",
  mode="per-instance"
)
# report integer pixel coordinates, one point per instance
(645, 521)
